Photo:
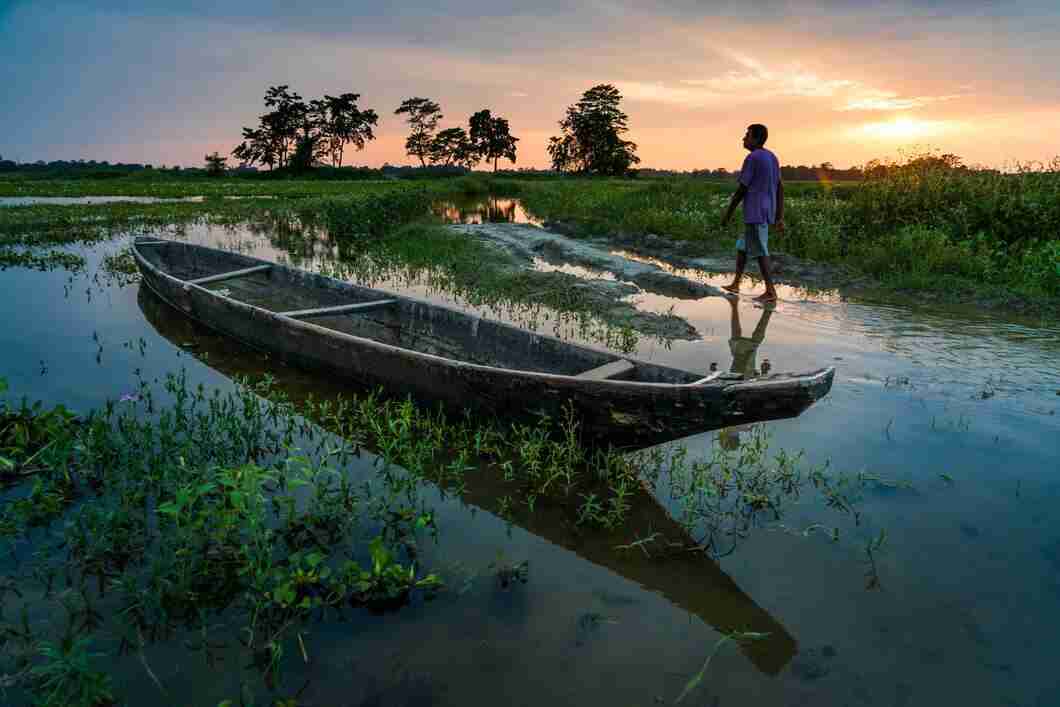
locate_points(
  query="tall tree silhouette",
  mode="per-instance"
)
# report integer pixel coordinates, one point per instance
(492, 138)
(423, 116)
(340, 122)
(591, 140)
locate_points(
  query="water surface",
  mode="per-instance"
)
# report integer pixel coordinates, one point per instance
(962, 411)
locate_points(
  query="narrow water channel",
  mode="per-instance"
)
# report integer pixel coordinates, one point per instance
(955, 417)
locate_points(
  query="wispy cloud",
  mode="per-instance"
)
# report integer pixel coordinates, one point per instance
(891, 101)
(751, 81)
(751, 74)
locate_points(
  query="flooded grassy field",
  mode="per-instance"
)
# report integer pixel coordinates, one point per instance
(897, 544)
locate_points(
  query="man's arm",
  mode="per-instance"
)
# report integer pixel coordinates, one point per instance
(780, 206)
(741, 192)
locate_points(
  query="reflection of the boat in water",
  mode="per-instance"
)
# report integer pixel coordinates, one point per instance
(688, 578)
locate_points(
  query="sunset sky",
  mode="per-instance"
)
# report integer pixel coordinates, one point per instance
(166, 81)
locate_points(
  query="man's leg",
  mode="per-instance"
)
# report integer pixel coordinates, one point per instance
(770, 294)
(741, 265)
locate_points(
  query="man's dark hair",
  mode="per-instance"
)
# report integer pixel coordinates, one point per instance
(759, 132)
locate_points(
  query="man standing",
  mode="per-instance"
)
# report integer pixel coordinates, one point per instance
(762, 194)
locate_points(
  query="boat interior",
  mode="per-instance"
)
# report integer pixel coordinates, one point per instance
(392, 319)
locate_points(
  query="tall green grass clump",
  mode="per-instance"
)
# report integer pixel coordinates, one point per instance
(931, 216)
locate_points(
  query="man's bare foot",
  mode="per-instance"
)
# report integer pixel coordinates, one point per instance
(734, 288)
(767, 297)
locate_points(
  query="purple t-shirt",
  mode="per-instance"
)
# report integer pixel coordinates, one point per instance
(761, 175)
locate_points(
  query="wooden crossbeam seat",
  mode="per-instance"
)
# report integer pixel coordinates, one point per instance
(339, 309)
(229, 275)
(608, 370)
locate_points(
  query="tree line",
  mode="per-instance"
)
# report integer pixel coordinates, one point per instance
(297, 134)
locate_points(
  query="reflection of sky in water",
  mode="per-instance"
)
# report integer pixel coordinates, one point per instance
(971, 588)
(470, 210)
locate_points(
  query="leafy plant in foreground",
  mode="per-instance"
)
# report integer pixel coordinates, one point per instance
(66, 678)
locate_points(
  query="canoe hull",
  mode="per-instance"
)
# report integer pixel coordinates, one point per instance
(621, 413)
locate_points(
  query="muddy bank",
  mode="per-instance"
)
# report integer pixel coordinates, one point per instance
(527, 242)
(696, 255)
(652, 263)
(816, 276)
(609, 299)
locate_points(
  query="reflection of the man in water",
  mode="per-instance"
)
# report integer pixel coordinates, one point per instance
(744, 354)
(745, 349)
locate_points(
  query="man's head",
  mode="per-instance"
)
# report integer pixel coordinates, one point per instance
(756, 136)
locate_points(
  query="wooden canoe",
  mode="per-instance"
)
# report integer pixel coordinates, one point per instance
(437, 353)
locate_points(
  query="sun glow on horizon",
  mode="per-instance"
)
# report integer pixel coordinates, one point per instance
(906, 128)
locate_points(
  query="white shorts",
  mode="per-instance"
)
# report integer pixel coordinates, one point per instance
(755, 241)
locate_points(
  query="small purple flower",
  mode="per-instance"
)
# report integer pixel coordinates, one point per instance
(129, 398)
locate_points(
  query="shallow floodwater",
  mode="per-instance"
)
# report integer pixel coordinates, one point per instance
(956, 415)
(476, 209)
(92, 200)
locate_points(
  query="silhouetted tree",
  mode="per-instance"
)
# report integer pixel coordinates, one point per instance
(257, 146)
(215, 165)
(492, 138)
(289, 115)
(453, 147)
(591, 141)
(423, 116)
(339, 122)
(277, 133)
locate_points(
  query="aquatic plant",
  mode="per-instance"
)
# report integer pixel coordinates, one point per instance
(735, 637)
(53, 259)
(120, 267)
(66, 677)
(28, 433)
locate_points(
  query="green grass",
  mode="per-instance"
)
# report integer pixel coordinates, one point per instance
(955, 233)
(369, 208)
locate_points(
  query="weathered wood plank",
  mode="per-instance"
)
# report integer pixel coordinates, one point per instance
(339, 309)
(608, 370)
(722, 375)
(229, 275)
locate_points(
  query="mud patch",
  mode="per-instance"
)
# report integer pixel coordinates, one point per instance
(523, 245)
(524, 242)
